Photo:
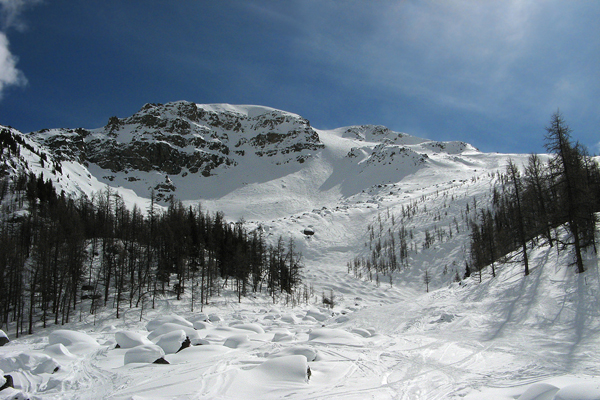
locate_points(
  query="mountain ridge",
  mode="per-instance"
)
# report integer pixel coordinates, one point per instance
(192, 152)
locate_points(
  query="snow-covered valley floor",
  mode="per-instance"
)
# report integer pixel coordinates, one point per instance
(501, 339)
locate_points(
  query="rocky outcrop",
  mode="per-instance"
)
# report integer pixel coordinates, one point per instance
(184, 137)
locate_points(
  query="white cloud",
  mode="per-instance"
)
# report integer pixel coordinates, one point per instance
(10, 11)
(487, 57)
(9, 74)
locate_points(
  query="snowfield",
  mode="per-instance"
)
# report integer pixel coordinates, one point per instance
(503, 337)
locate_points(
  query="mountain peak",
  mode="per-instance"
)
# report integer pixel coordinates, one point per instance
(211, 151)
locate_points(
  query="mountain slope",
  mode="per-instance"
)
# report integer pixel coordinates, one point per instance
(269, 158)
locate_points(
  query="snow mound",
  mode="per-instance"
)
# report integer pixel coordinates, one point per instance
(164, 319)
(579, 391)
(77, 342)
(256, 328)
(308, 352)
(170, 327)
(271, 379)
(143, 354)
(214, 317)
(334, 336)
(282, 337)
(35, 363)
(289, 319)
(128, 340)
(58, 350)
(539, 391)
(200, 317)
(194, 353)
(171, 342)
(199, 325)
(362, 332)
(236, 341)
(316, 314)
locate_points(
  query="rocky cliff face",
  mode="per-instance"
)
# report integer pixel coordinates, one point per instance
(183, 137)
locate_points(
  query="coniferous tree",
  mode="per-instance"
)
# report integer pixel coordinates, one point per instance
(515, 178)
(568, 165)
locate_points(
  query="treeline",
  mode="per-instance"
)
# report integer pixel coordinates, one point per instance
(530, 205)
(57, 251)
(392, 240)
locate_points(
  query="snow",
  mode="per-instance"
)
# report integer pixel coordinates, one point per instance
(508, 337)
(74, 341)
(147, 353)
(171, 342)
(34, 363)
(170, 327)
(168, 319)
(127, 340)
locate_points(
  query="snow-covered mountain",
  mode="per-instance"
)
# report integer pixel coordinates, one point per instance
(270, 158)
(506, 337)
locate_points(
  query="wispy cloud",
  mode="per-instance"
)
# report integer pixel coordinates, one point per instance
(10, 11)
(9, 74)
(465, 54)
(10, 14)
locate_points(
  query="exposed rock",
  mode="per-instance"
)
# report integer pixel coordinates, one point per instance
(8, 383)
(3, 338)
(182, 135)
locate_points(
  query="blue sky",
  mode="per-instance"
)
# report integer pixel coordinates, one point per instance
(487, 72)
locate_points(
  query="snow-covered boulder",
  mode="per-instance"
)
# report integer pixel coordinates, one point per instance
(9, 393)
(164, 319)
(58, 350)
(170, 327)
(265, 380)
(289, 319)
(317, 314)
(193, 354)
(334, 336)
(214, 318)
(283, 337)
(308, 352)
(292, 368)
(147, 354)
(199, 325)
(36, 363)
(200, 317)
(252, 327)
(75, 341)
(362, 332)
(308, 231)
(128, 340)
(173, 341)
(579, 391)
(235, 341)
(539, 391)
